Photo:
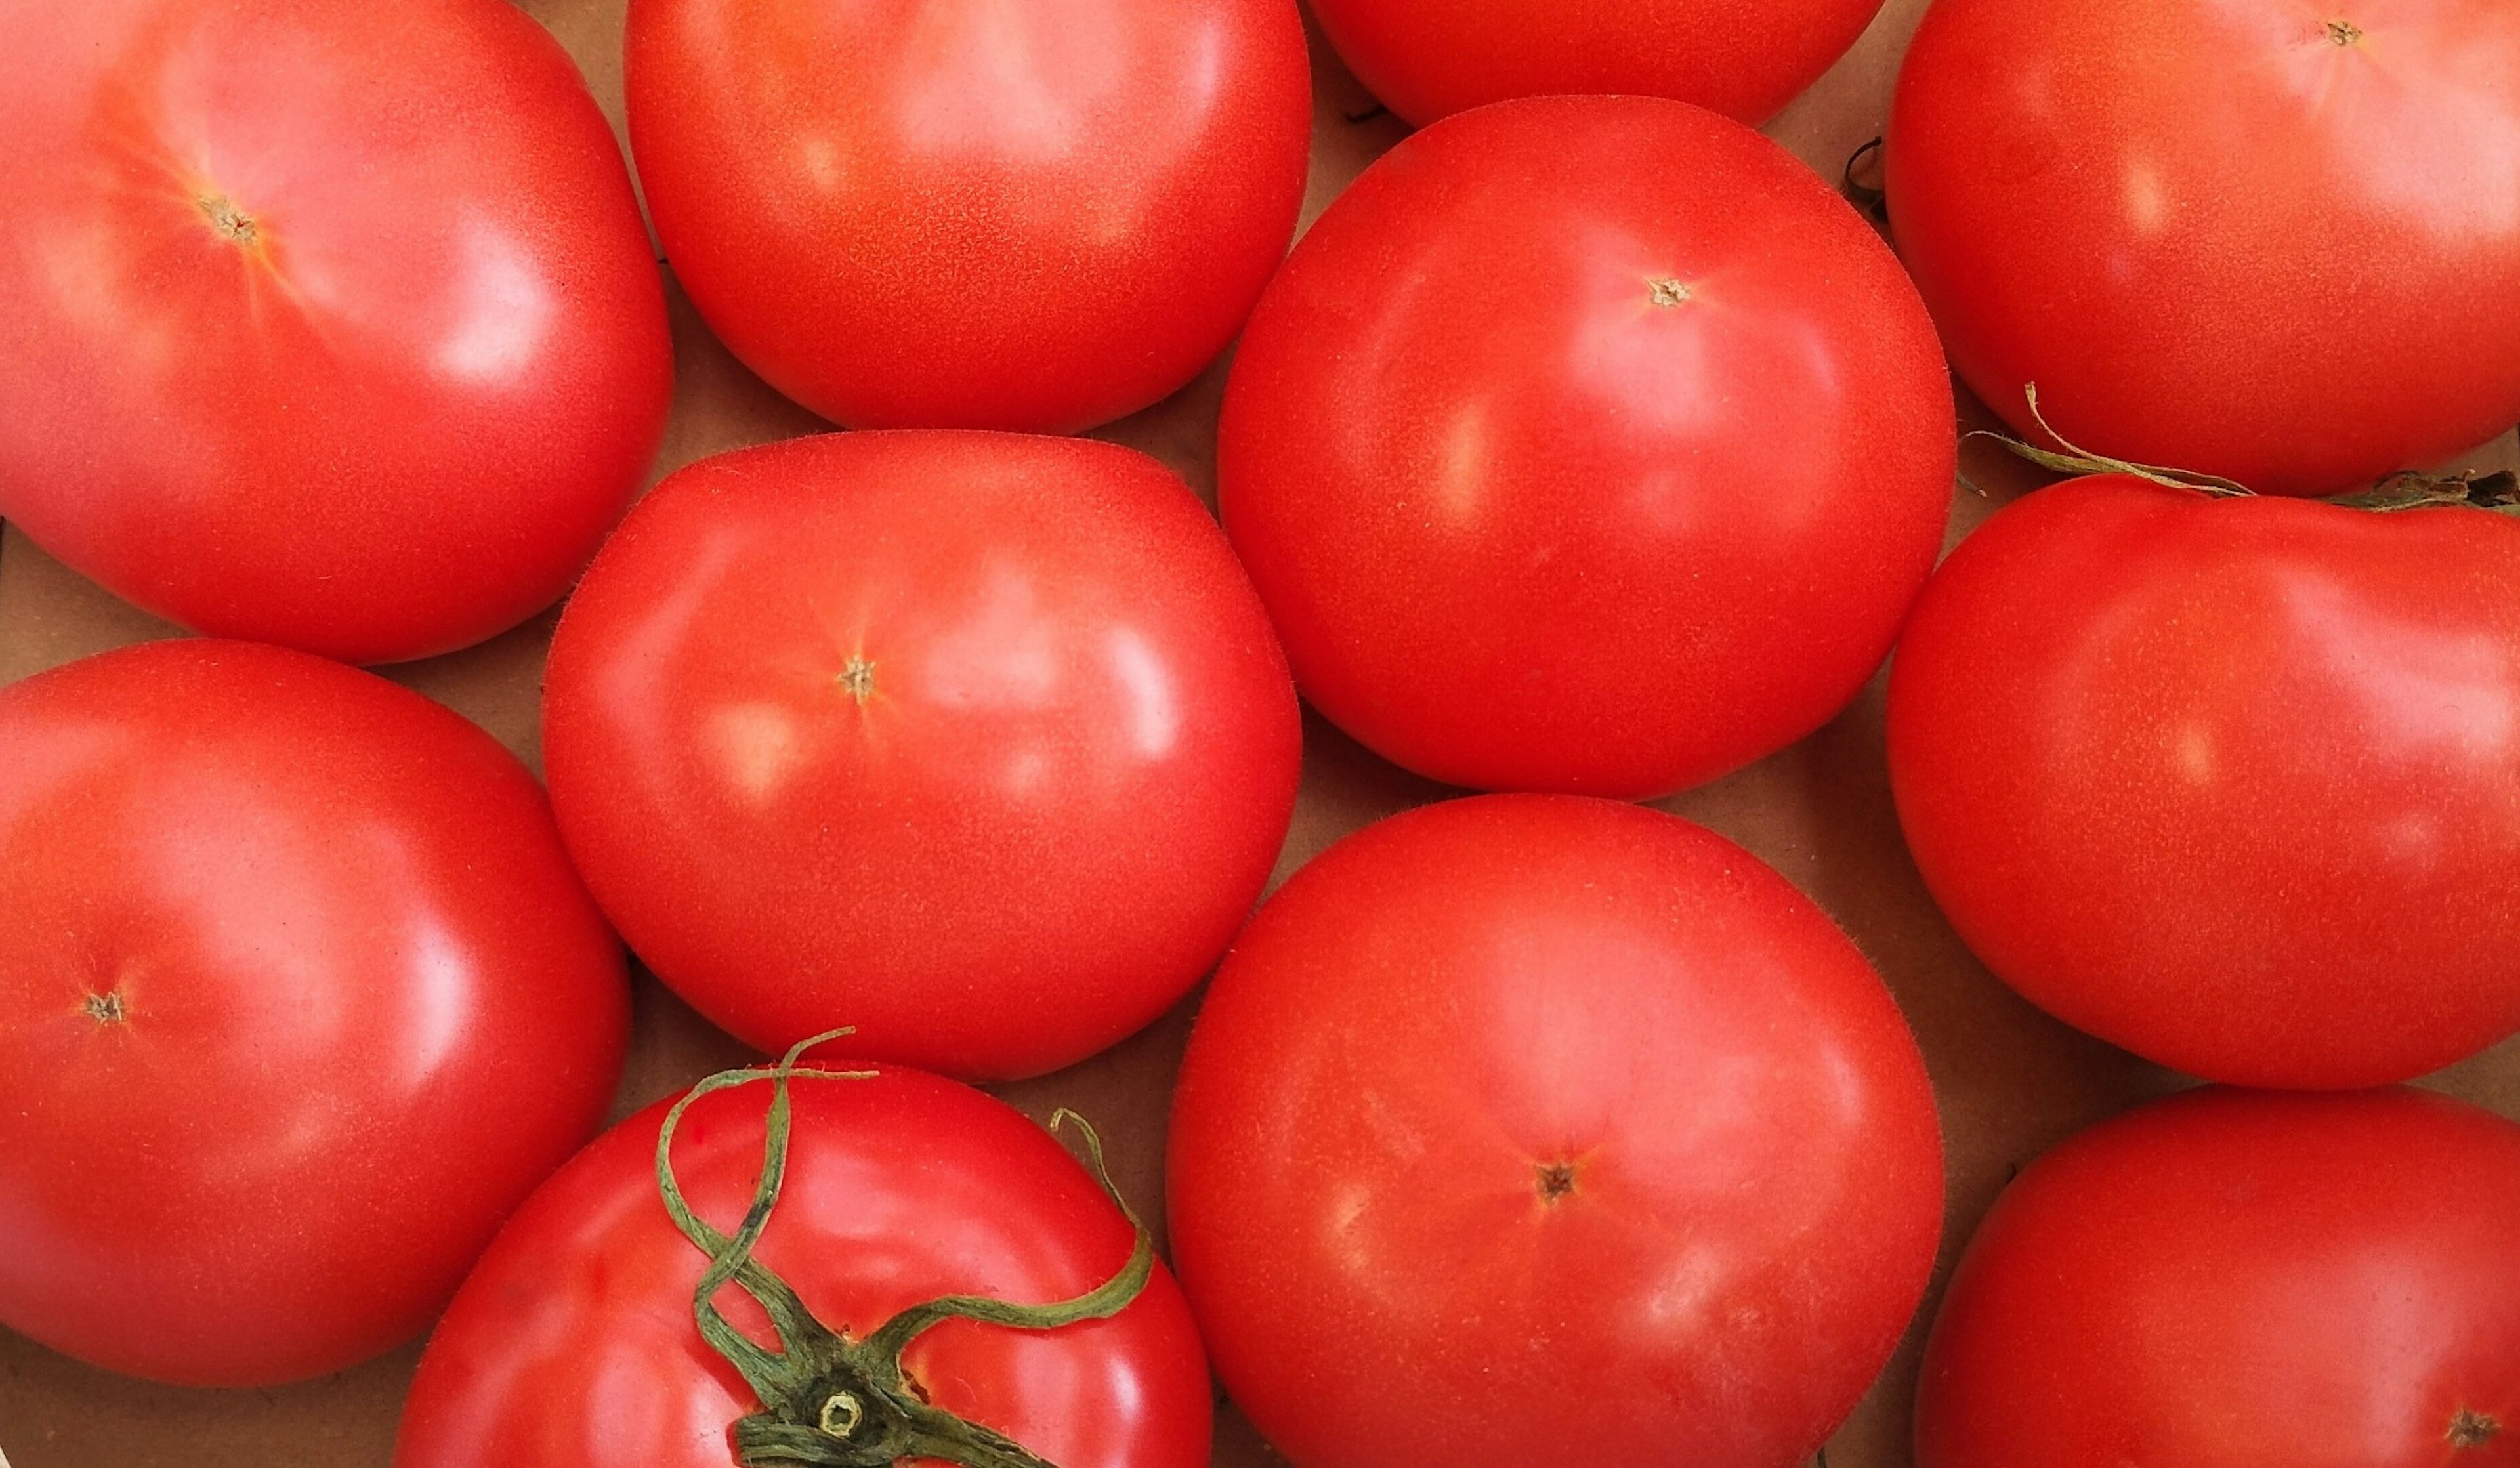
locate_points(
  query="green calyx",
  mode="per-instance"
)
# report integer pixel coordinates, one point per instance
(826, 1399)
(2407, 489)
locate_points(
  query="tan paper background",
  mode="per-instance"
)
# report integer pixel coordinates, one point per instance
(2010, 1081)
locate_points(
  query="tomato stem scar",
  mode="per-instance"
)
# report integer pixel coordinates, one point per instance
(2473, 1429)
(2344, 33)
(1667, 291)
(1556, 1180)
(227, 218)
(107, 1009)
(858, 677)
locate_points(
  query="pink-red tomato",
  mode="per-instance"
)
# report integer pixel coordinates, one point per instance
(299, 997)
(977, 743)
(1552, 1132)
(2238, 1279)
(572, 1345)
(967, 213)
(1429, 59)
(329, 325)
(2217, 780)
(2270, 239)
(1587, 444)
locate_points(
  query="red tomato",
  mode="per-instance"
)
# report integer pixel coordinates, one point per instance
(907, 213)
(2235, 1280)
(977, 743)
(1587, 444)
(1429, 59)
(574, 1344)
(2219, 781)
(299, 997)
(1541, 1131)
(2272, 239)
(330, 324)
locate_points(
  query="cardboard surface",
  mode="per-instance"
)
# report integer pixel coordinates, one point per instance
(2010, 1081)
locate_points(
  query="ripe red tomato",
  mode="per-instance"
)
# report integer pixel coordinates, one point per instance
(905, 213)
(329, 324)
(1553, 1132)
(2272, 240)
(2216, 780)
(1587, 444)
(977, 743)
(574, 1344)
(1429, 59)
(2235, 1279)
(299, 997)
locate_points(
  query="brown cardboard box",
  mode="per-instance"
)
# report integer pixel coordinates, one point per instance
(2010, 1080)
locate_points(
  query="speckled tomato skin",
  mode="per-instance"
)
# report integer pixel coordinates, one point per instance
(572, 1345)
(2214, 237)
(2227, 781)
(1446, 1005)
(362, 1008)
(1070, 777)
(398, 417)
(1524, 528)
(2235, 1280)
(1746, 59)
(905, 213)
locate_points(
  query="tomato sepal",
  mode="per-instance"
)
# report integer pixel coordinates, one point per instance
(827, 1399)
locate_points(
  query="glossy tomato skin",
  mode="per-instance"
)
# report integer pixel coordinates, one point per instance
(2216, 780)
(1549, 1131)
(905, 213)
(329, 325)
(572, 1345)
(2267, 241)
(1746, 59)
(1588, 445)
(2236, 1279)
(299, 997)
(976, 741)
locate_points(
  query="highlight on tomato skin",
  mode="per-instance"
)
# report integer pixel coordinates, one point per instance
(327, 325)
(1547, 1129)
(2235, 1277)
(298, 998)
(2212, 779)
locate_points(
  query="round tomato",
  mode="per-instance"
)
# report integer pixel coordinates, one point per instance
(329, 324)
(958, 213)
(2235, 1280)
(2269, 240)
(574, 1345)
(977, 743)
(1547, 1131)
(1587, 444)
(2220, 780)
(1429, 59)
(299, 997)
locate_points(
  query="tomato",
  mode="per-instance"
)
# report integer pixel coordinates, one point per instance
(2233, 1280)
(299, 997)
(955, 213)
(1429, 59)
(1587, 444)
(2216, 780)
(2269, 240)
(976, 741)
(1549, 1131)
(574, 1344)
(329, 325)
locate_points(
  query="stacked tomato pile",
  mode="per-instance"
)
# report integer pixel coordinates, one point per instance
(1589, 448)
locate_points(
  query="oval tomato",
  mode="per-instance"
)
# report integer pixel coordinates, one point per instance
(1535, 1130)
(1429, 59)
(2216, 780)
(327, 325)
(977, 743)
(1587, 444)
(2242, 1280)
(574, 1344)
(299, 997)
(905, 213)
(2269, 240)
